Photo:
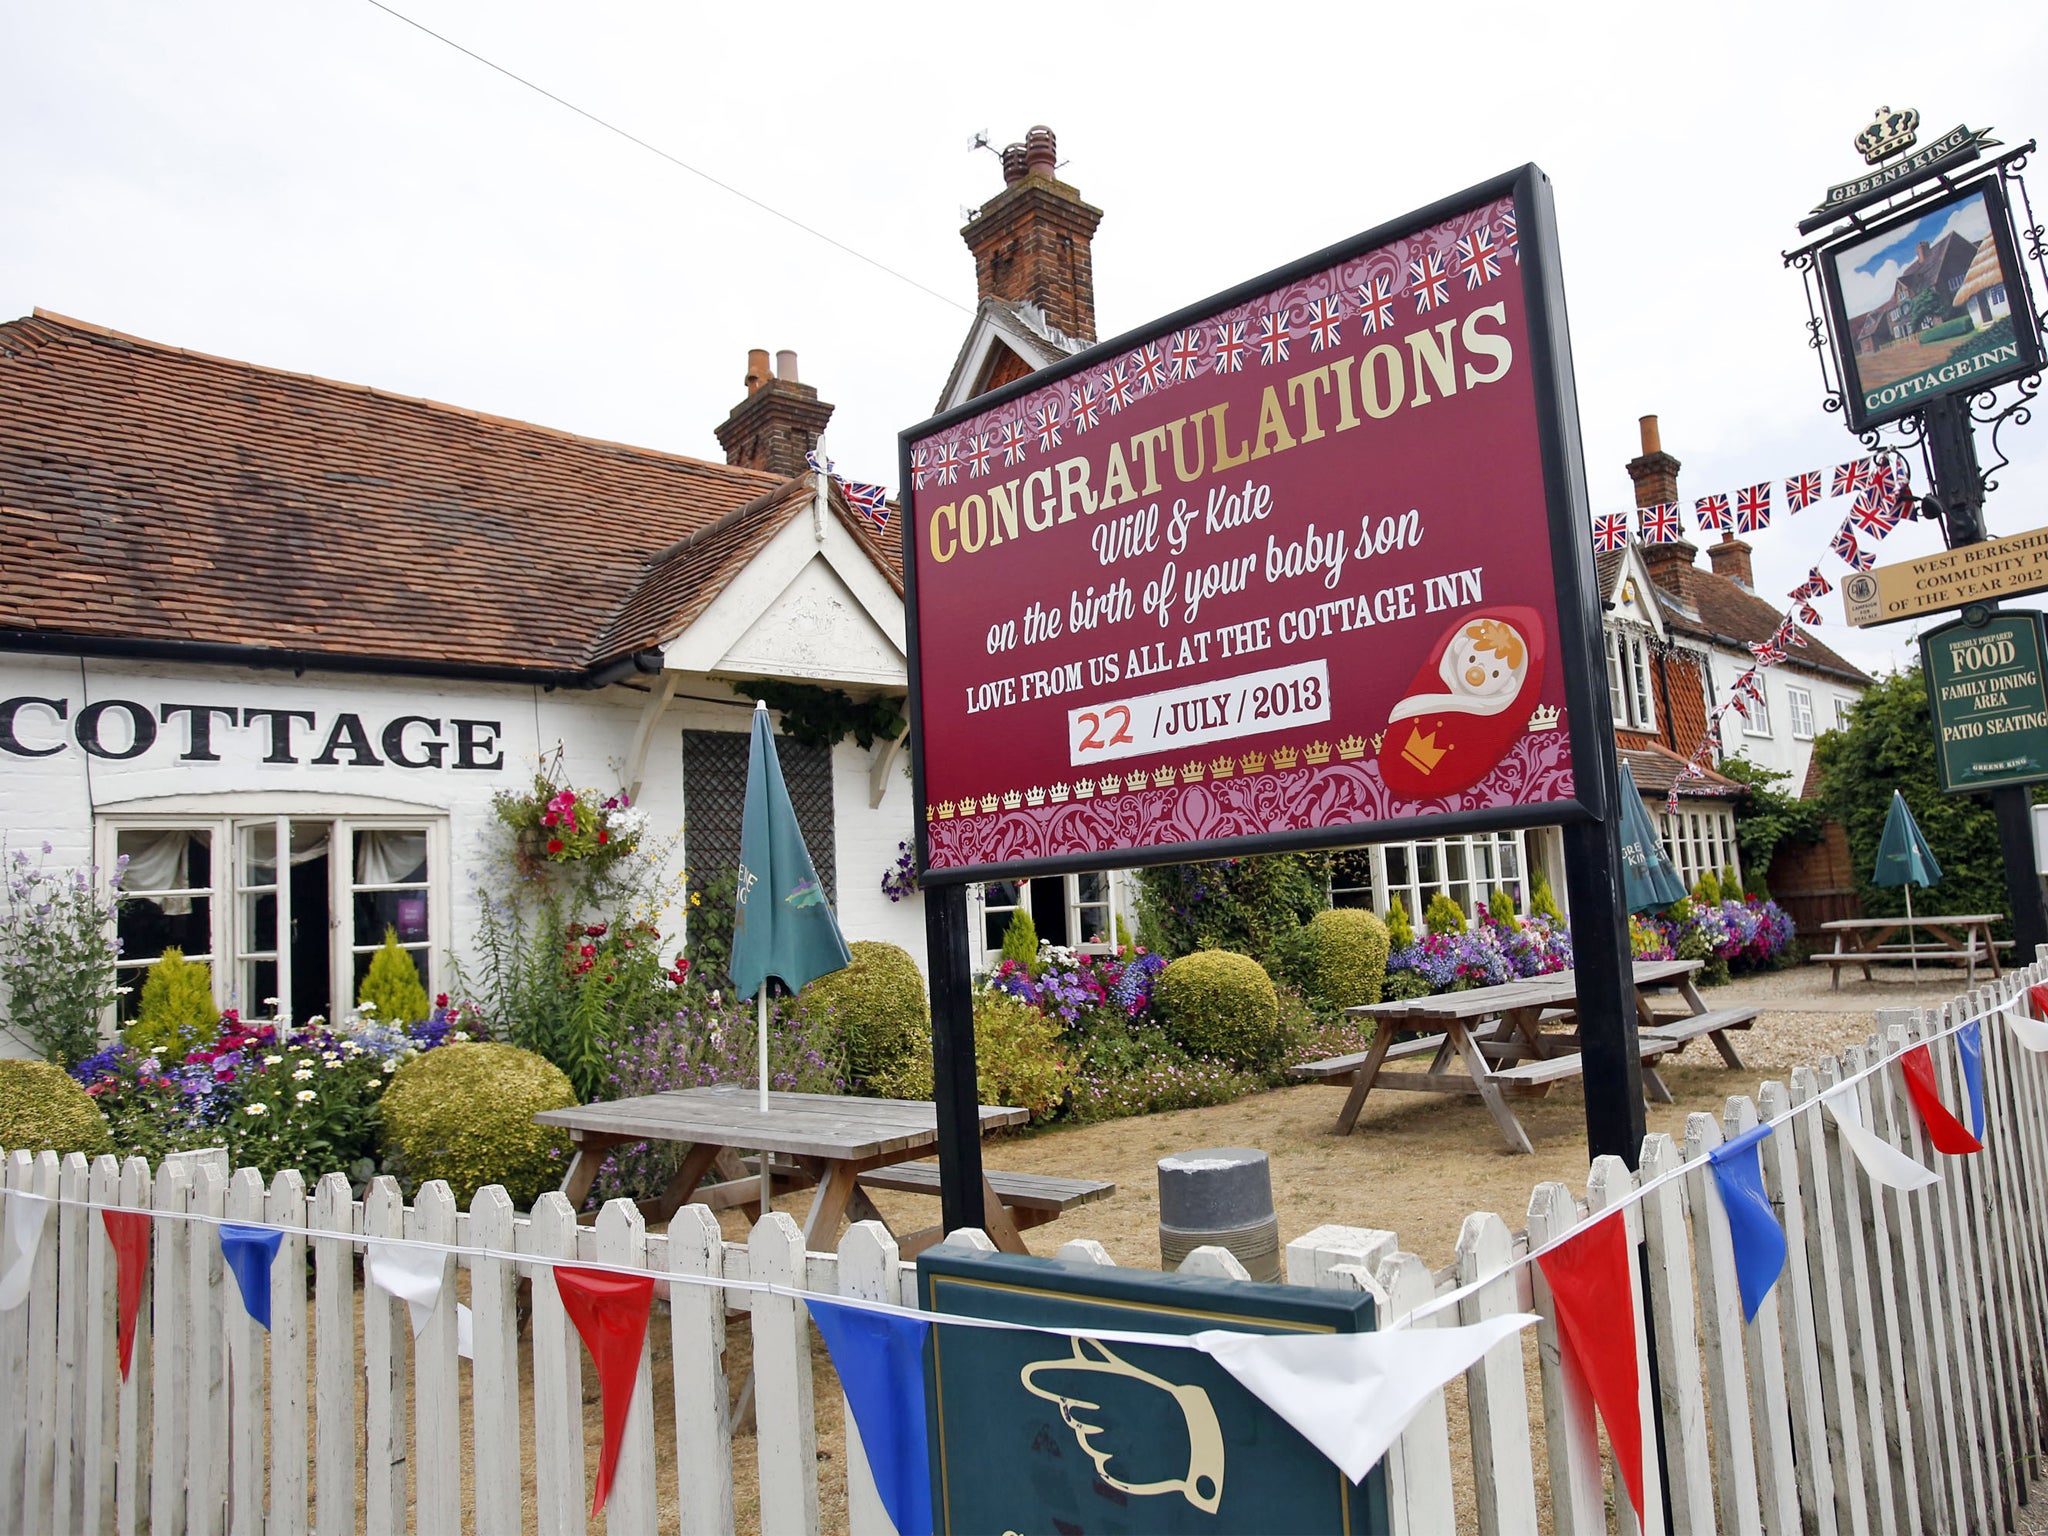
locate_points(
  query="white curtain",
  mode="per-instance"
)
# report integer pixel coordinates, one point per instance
(159, 861)
(386, 858)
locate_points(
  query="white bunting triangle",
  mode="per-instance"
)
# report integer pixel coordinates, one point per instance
(1883, 1162)
(26, 1217)
(1351, 1394)
(2032, 1034)
(413, 1275)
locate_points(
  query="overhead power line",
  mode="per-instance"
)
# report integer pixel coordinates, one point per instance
(655, 149)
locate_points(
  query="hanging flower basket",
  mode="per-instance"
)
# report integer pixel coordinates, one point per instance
(554, 826)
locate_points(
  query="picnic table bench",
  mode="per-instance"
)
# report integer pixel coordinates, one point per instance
(1527, 1048)
(1861, 941)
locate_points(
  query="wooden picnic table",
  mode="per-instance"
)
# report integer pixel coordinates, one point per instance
(1517, 1038)
(1859, 941)
(816, 1139)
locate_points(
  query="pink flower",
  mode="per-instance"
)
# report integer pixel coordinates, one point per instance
(549, 819)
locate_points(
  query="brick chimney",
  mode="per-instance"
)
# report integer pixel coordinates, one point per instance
(1031, 240)
(1730, 558)
(779, 421)
(1655, 475)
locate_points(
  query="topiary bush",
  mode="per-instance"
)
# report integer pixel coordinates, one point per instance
(1708, 892)
(1731, 884)
(1500, 907)
(1020, 939)
(1221, 1004)
(1343, 957)
(1400, 929)
(42, 1109)
(177, 1010)
(879, 1004)
(1542, 903)
(1444, 915)
(391, 987)
(464, 1113)
(1020, 1059)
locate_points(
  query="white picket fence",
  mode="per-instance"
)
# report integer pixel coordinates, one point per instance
(1892, 1382)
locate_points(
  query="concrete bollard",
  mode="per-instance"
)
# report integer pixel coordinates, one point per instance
(1221, 1196)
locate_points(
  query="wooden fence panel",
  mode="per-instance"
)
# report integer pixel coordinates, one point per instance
(1496, 1389)
(1735, 1451)
(385, 1329)
(1812, 1465)
(558, 1460)
(245, 1340)
(622, 1239)
(285, 1206)
(703, 1395)
(1770, 1405)
(867, 1269)
(170, 1397)
(1674, 1308)
(334, 1357)
(1427, 1507)
(785, 1424)
(495, 1449)
(67, 1231)
(437, 1377)
(14, 1377)
(1829, 1300)
(131, 1482)
(1577, 1503)
(1610, 1184)
(206, 1304)
(100, 1377)
(2012, 1099)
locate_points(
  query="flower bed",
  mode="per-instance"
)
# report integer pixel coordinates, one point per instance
(1485, 956)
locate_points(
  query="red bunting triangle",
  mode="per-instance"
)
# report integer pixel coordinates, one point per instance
(1943, 1129)
(128, 1232)
(610, 1312)
(2038, 996)
(1589, 1281)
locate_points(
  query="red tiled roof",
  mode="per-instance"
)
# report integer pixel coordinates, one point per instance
(156, 495)
(1656, 770)
(1728, 610)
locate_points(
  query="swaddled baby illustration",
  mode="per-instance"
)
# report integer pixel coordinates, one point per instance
(1466, 704)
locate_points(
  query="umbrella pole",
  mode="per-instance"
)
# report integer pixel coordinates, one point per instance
(761, 1045)
(1909, 933)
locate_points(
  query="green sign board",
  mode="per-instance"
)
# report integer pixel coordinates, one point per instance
(1990, 702)
(1037, 1433)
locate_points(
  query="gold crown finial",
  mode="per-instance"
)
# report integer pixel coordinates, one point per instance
(1890, 133)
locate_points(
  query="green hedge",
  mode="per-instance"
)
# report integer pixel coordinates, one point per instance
(1342, 957)
(1217, 1003)
(43, 1109)
(879, 1003)
(464, 1113)
(1020, 1059)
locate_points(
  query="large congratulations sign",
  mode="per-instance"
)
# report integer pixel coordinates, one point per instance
(1296, 563)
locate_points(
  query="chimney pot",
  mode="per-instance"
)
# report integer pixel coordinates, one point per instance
(785, 366)
(1041, 151)
(1652, 443)
(757, 368)
(1014, 164)
(1730, 558)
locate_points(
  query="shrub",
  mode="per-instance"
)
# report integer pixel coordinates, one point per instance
(391, 987)
(1444, 915)
(1400, 931)
(1948, 330)
(880, 1005)
(1020, 938)
(57, 955)
(1019, 1059)
(43, 1109)
(1731, 885)
(464, 1113)
(1403, 985)
(1221, 1004)
(1708, 892)
(1252, 906)
(177, 1010)
(1343, 957)
(1541, 902)
(1500, 909)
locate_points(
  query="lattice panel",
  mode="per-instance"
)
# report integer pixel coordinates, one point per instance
(715, 798)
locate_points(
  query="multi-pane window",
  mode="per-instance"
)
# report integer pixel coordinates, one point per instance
(1842, 708)
(1467, 869)
(287, 910)
(1755, 712)
(1629, 690)
(1698, 839)
(1799, 704)
(1072, 911)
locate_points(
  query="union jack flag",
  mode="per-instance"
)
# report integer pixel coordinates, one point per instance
(1753, 508)
(820, 465)
(1844, 544)
(1712, 513)
(1788, 633)
(1851, 477)
(1185, 353)
(1873, 513)
(1149, 369)
(1882, 470)
(1016, 440)
(1430, 282)
(871, 501)
(1802, 491)
(1767, 655)
(1082, 408)
(981, 447)
(1808, 614)
(1273, 337)
(920, 460)
(1323, 315)
(1045, 421)
(1118, 390)
(1815, 585)
(1506, 225)
(1375, 304)
(1610, 532)
(946, 464)
(1477, 258)
(1660, 523)
(1230, 346)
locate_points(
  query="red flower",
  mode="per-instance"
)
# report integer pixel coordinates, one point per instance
(549, 819)
(587, 951)
(440, 999)
(603, 837)
(596, 930)
(554, 845)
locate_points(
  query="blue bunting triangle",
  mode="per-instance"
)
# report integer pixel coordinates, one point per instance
(880, 1360)
(1753, 1228)
(1970, 1046)
(248, 1251)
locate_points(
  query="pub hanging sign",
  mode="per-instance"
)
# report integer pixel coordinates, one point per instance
(1300, 560)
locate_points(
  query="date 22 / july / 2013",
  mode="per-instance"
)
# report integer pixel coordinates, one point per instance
(1221, 710)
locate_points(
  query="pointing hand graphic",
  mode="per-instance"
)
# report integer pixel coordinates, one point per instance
(1081, 1384)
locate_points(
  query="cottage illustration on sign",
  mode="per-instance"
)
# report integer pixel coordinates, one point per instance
(1093, 1390)
(1467, 704)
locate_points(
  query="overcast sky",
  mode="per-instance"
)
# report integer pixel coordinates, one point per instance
(318, 186)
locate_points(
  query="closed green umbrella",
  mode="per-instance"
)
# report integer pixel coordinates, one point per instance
(1903, 858)
(1647, 878)
(782, 925)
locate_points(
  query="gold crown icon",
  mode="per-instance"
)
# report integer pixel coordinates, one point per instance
(1351, 748)
(1162, 778)
(1544, 717)
(1316, 752)
(989, 804)
(1191, 773)
(1035, 795)
(1283, 759)
(1011, 799)
(1889, 134)
(1422, 751)
(1109, 783)
(1060, 793)
(1084, 789)
(1379, 739)
(943, 810)
(1253, 762)
(1222, 768)
(967, 806)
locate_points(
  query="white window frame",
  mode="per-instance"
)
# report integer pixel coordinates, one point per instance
(1799, 705)
(1698, 838)
(1757, 722)
(1474, 850)
(1842, 708)
(228, 949)
(1630, 691)
(991, 948)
